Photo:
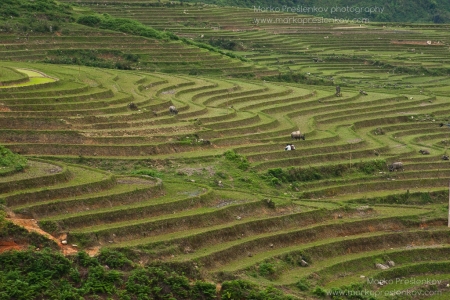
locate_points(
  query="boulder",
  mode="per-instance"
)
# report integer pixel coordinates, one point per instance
(381, 266)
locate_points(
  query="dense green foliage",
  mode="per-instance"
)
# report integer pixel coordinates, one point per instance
(125, 25)
(49, 275)
(136, 28)
(241, 161)
(36, 16)
(112, 59)
(429, 11)
(240, 289)
(11, 161)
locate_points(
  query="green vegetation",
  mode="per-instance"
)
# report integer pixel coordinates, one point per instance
(43, 16)
(10, 161)
(124, 25)
(29, 274)
(94, 58)
(205, 203)
(326, 172)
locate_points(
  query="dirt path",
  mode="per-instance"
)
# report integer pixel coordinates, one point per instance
(32, 226)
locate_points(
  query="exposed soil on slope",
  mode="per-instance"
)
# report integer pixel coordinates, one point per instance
(31, 225)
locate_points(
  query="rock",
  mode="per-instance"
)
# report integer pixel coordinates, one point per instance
(64, 242)
(390, 263)
(303, 263)
(271, 245)
(238, 218)
(249, 254)
(381, 266)
(74, 245)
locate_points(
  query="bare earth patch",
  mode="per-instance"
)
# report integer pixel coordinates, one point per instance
(31, 225)
(199, 171)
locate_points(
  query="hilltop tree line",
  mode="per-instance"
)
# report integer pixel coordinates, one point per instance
(421, 11)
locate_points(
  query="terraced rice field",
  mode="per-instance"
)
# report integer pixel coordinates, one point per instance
(212, 186)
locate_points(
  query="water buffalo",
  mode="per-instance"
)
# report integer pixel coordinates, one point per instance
(424, 152)
(297, 135)
(396, 166)
(132, 106)
(204, 142)
(173, 110)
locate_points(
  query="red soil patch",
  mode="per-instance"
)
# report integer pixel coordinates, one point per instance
(7, 246)
(32, 226)
(4, 108)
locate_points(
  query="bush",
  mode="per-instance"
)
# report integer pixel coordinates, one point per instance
(303, 285)
(203, 290)
(9, 159)
(89, 20)
(242, 161)
(240, 289)
(318, 291)
(114, 259)
(266, 269)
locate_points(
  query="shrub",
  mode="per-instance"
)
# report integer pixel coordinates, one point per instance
(242, 161)
(318, 291)
(9, 159)
(114, 259)
(303, 285)
(203, 290)
(89, 20)
(84, 260)
(240, 289)
(49, 226)
(266, 269)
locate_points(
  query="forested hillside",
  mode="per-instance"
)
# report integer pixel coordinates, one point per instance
(428, 11)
